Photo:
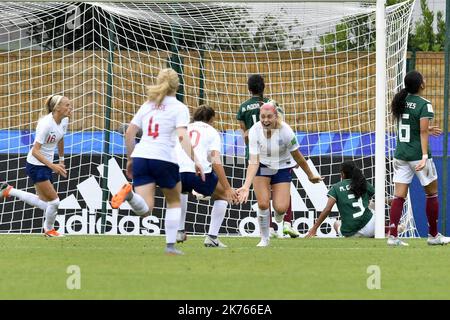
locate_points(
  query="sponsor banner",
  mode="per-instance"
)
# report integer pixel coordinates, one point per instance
(81, 197)
(312, 144)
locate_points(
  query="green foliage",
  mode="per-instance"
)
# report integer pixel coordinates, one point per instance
(230, 28)
(354, 33)
(359, 33)
(243, 33)
(424, 38)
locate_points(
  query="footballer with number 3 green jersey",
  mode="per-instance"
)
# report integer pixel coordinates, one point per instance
(351, 195)
(412, 156)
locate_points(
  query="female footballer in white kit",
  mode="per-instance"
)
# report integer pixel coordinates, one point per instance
(40, 167)
(153, 161)
(207, 145)
(274, 151)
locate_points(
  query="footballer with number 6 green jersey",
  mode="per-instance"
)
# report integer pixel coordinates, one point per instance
(351, 195)
(412, 156)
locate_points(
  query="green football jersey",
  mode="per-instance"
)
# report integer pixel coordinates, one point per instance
(354, 213)
(409, 147)
(249, 111)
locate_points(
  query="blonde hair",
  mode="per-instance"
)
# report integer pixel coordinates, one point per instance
(166, 84)
(276, 109)
(50, 103)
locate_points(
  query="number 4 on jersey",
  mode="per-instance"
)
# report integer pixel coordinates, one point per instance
(153, 132)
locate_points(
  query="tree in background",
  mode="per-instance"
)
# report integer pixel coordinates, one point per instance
(244, 33)
(358, 33)
(213, 27)
(353, 33)
(424, 38)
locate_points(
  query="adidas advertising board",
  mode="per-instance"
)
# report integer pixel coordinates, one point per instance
(81, 204)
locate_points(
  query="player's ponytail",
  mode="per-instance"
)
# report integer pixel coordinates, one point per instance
(167, 83)
(50, 103)
(358, 184)
(413, 81)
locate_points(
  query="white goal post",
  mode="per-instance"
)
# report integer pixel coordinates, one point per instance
(332, 65)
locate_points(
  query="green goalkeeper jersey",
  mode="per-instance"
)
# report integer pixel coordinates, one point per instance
(249, 113)
(354, 213)
(409, 147)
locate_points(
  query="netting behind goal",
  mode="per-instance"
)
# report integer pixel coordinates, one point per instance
(318, 61)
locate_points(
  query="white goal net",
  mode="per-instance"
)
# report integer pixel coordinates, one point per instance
(317, 59)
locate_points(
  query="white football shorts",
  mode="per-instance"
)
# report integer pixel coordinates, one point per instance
(368, 231)
(404, 172)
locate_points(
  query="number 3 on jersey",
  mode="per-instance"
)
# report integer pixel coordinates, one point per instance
(153, 130)
(358, 204)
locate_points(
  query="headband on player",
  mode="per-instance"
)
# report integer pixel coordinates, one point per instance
(56, 99)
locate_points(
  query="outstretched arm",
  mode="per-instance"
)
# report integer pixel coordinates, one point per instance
(252, 169)
(323, 215)
(298, 157)
(223, 180)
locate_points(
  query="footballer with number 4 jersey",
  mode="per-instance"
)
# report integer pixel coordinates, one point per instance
(412, 156)
(207, 145)
(50, 133)
(274, 151)
(351, 195)
(152, 162)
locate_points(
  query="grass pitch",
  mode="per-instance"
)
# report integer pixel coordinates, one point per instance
(33, 267)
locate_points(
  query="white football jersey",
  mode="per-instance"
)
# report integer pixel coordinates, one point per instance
(48, 134)
(275, 152)
(158, 124)
(204, 139)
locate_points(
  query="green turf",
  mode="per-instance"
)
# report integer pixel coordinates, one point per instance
(33, 267)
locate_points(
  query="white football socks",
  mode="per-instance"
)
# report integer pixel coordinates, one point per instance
(50, 214)
(183, 201)
(264, 221)
(217, 215)
(171, 224)
(29, 198)
(138, 204)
